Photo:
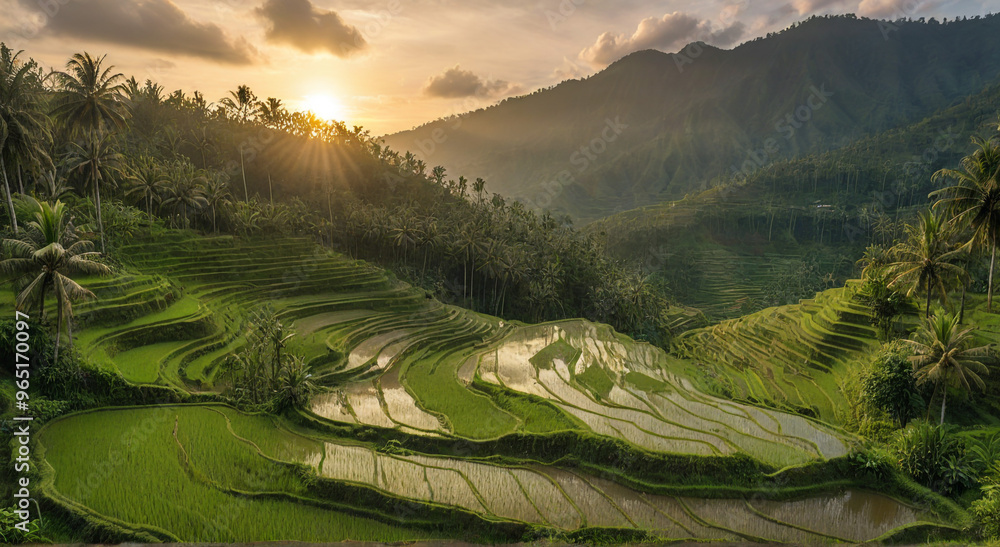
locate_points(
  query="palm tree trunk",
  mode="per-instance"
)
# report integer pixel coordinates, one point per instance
(246, 193)
(41, 302)
(961, 311)
(214, 231)
(20, 183)
(100, 221)
(927, 311)
(59, 318)
(944, 398)
(989, 284)
(10, 200)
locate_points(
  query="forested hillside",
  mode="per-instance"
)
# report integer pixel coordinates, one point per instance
(655, 126)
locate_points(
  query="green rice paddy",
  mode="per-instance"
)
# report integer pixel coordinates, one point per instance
(244, 477)
(390, 359)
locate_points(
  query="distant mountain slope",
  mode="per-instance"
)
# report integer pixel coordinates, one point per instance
(795, 226)
(653, 131)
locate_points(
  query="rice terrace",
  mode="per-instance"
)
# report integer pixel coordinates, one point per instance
(626, 307)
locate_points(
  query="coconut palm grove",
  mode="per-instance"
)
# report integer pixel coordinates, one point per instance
(224, 319)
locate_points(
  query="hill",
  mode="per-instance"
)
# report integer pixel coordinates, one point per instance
(437, 422)
(647, 129)
(789, 228)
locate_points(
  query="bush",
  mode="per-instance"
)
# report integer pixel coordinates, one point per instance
(934, 457)
(876, 464)
(889, 385)
(987, 508)
(11, 535)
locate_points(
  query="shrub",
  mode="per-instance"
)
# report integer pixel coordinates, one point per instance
(987, 508)
(932, 456)
(889, 385)
(885, 302)
(11, 535)
(875, 464)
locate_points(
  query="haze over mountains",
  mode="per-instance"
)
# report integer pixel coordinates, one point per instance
(655, 126)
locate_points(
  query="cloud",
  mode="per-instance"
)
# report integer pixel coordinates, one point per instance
(301, 25)
(671, 32)
(569, 70)
(894, 9)
(157, 25)
(456, 82)
(805, 7)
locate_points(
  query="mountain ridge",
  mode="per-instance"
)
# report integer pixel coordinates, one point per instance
(693, 122)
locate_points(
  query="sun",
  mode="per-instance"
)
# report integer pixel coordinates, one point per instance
(325, 107)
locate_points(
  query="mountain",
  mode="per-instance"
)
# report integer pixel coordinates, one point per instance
(796, 226)
(654, 126)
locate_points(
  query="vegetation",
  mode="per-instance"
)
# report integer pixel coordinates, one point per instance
(365, 316)
(45, 257)
(890, 385)
(941, 355)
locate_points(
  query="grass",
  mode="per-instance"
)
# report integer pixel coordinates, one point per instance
(793, 357)
(141, 365)
(126, 465)
(412, 364)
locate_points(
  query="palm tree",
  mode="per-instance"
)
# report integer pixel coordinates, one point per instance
(295, 387)
(90, 99)
(146, 180)
(184, 191)
(204, 142)
(272, 113)
(24, 129)
(52, 187)
(926, 258)
(240, 103)
(974, 200)
(216, 193)
(99, 161)
(44, 258)
(405, 231)
(942, 355)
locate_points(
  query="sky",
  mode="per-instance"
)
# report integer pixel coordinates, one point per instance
(390, 65)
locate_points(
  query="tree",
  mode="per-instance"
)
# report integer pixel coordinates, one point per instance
(24, 129)
(184, 190)
(240, 104)
(147, 181)
(272, 113)
(216, 193)
(891, 386)
(884, 301)
(974, 201)
(89, 99)
(927, 259)
(45, 257)
(99, 161)
(941, 354)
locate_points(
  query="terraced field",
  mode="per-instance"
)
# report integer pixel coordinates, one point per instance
(793, 356)
(392, 359)
(235, 470)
